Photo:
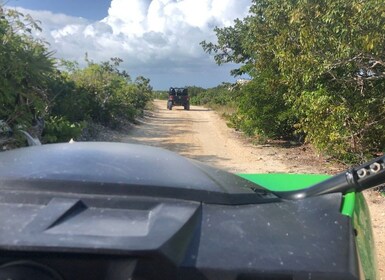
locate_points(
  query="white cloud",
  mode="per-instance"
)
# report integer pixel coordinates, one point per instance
(66, 31)
(147, 34)
(97, 29)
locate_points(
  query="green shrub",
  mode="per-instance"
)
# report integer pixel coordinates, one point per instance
(105, 95)
(220, 95)
(317, 66)
(59, 129)
(25, 64)
(342, 123)
(162, 95)
(262, 110)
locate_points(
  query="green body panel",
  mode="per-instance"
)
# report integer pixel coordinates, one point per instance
(285, 182)
(365, 242)
(353, 205)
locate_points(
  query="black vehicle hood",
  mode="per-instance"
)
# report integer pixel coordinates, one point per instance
(118, 211)
(125, 169)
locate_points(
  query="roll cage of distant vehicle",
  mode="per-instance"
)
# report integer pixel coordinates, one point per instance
(178, 97)
(114, 211)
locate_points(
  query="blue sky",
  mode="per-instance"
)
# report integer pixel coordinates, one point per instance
(158, 39)
(90, 9)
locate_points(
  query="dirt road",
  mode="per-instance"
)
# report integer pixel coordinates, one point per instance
(201, 134)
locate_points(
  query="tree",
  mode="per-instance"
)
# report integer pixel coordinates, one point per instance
(327, 57)
(261, 103)
(25, 67)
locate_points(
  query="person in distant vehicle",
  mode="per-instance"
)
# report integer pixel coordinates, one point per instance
(178, 97)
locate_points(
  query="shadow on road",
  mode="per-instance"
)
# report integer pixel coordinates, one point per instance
(191, 109)
(162, 132)
(212, 160)
(200, 110)
(176, 131)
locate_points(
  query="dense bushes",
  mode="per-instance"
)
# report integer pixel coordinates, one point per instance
(262, 110)
(318, 69)
(35, 86)
(25, 67)
(103, 94)
(59, 129)
(98, 93)
(220, 95)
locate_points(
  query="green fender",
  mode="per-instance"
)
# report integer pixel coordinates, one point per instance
(352, 205)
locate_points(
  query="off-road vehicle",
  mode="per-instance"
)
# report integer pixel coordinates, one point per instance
(178, 97)
(111, 211)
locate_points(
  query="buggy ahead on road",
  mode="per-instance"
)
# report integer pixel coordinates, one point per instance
(178, 97)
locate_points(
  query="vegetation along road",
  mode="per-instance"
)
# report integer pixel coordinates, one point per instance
(201, 134)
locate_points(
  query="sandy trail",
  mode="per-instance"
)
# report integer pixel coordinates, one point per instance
(201, 134)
